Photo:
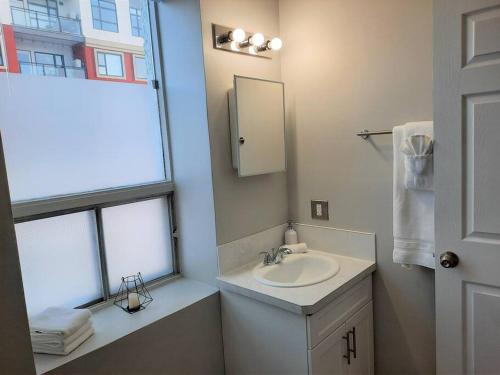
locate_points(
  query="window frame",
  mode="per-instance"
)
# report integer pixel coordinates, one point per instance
(99, 20)
(59, 205)
(3, 57)
(137, 17)
(96, 202)
(2, 62)
(108, 52)
(134, 56)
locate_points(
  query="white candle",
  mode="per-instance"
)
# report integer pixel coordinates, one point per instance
(133, 301)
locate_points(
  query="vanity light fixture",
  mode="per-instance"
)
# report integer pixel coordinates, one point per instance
(237, 35)
(238, 40)
(274, 44)
(257, 39)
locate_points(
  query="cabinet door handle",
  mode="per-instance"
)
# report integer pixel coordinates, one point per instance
(354, 341)
(347, 337)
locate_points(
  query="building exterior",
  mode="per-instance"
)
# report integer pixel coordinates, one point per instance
(89, 39)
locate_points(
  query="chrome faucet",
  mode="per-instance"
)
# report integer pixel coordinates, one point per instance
(275, 256)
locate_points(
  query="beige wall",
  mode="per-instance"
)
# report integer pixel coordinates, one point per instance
(243, 206)
(350, 65)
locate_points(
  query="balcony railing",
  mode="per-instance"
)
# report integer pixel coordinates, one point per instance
(35, 69)
(43, 21)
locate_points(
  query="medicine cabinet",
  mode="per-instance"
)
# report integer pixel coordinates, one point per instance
(257, 121)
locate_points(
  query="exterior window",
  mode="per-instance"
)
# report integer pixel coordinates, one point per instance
(135, 21)
(88, 167)
(110, 64)
(140, 69)
(24, 58)
(104, 15)
(43, 13)
(49, 64)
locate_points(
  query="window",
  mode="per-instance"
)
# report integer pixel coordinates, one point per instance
(89, 176)
(24, 58)
(140, 69)
(110, 64)
(135, 21)
(49, 59)
(104, 15)
(43, 14)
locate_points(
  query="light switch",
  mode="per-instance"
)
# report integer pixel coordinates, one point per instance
(319, 210)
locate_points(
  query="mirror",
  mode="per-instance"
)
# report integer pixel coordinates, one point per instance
(257, 120)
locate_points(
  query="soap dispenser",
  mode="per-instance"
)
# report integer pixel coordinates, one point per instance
(291, 235)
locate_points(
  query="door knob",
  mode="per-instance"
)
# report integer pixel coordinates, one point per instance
(448, 259)
(242, 140)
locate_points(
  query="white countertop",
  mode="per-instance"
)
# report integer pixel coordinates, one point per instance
(301, 300)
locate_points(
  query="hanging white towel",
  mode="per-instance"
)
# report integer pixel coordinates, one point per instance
(413, 210)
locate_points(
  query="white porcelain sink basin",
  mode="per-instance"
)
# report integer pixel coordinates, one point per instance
(298, 270)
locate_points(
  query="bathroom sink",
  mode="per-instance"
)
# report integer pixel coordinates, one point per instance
(297, 270)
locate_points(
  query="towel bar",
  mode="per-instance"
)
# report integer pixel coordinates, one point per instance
(365, 134)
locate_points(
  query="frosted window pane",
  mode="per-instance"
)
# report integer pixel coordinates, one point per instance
(59, 261)
(67, 136)
(137, 239)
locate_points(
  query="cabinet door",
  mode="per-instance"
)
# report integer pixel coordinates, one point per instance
(260, 133)
(360, 329)
(328, 357)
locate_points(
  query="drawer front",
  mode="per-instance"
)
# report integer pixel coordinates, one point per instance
(333, 315)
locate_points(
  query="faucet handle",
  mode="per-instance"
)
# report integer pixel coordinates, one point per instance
(268, 257)
(285, 250)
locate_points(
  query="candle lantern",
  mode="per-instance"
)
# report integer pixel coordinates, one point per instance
(132, 295)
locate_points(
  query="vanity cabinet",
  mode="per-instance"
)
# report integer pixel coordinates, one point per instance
(335, 339)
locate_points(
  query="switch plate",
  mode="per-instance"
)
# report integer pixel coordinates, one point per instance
(319, 210)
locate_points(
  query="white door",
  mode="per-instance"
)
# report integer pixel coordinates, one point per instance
(467, 184)
(328, 358)
(360, 327)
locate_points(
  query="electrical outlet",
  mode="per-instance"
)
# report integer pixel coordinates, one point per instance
(319, 210)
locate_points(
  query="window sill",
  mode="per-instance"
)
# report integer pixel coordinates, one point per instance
(111, 323)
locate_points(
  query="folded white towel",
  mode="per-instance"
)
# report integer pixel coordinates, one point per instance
(40, 348)
(413, 210)
(296, 248)
(55, 341)
(59, 320)
(418, 162)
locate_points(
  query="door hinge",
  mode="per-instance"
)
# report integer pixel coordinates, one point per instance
(155, 84)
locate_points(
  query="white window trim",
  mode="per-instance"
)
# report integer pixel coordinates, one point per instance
(2, 50)
(133, 63)
(111, 52)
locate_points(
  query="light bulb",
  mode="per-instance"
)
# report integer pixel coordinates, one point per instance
(257, 39)
(275, 44)
(238, 35)
(235, 46)
(252, 50)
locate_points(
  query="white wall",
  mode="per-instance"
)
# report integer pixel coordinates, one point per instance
(243, 206)
(189, 137)
(350, 65)
(5, 16)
